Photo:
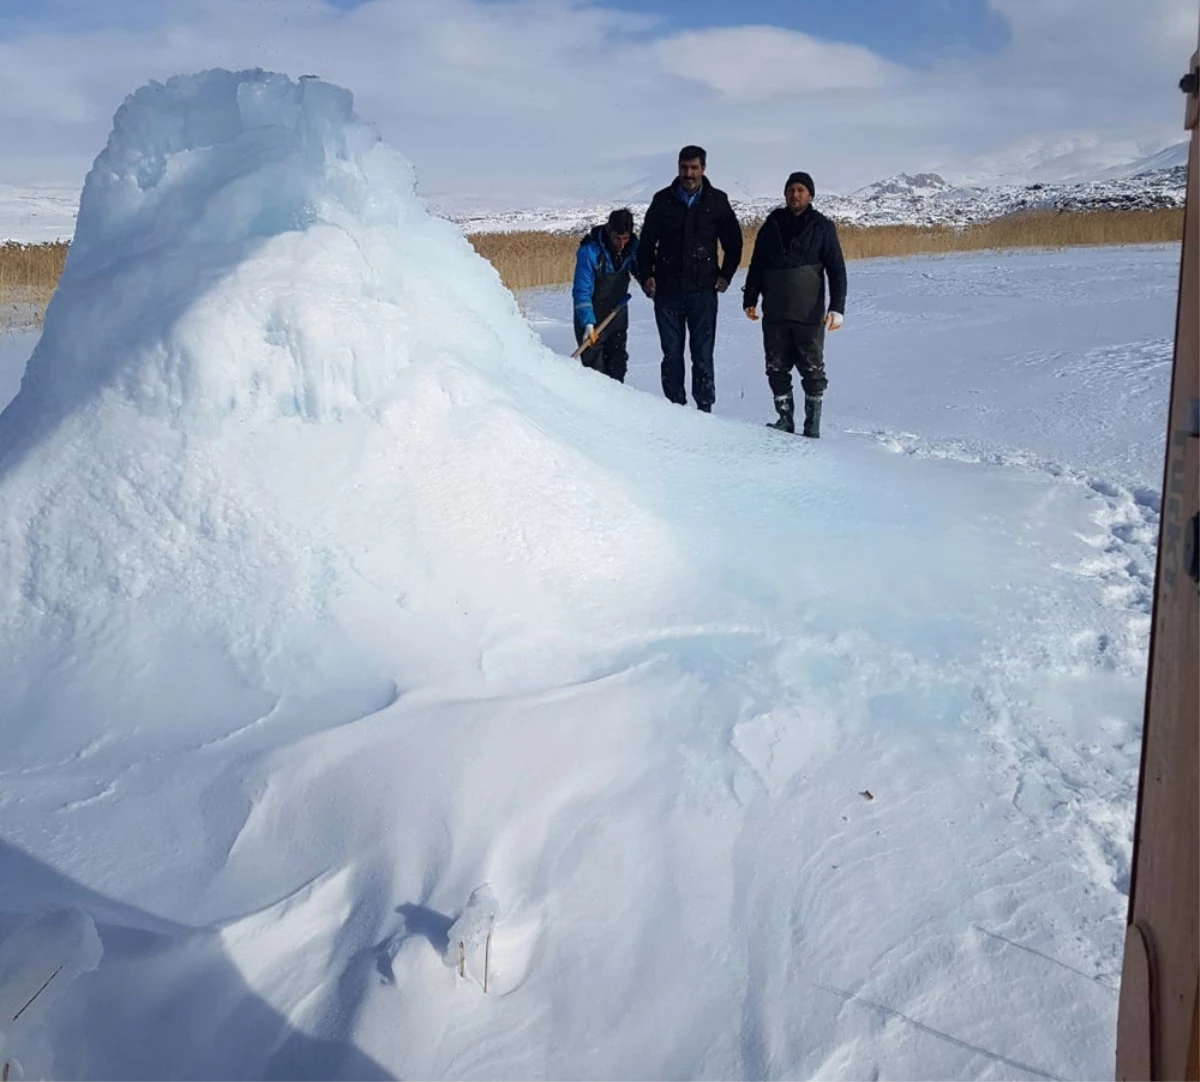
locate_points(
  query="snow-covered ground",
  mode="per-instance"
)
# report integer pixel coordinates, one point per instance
(1055, 359)
(333, 597)
(37, 215)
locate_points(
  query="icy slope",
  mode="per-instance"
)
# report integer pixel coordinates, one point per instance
(263, 351)
(330, 596)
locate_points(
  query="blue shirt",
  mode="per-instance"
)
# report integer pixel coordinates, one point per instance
(688, 200)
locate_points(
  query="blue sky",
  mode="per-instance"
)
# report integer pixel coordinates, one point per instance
(908, 31)
(519, 102)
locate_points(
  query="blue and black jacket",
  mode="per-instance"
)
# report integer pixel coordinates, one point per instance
(601, 278)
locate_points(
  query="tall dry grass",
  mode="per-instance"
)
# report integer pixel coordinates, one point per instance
(1034, 229)
(528, 260)
(30, 272)
(28, 276)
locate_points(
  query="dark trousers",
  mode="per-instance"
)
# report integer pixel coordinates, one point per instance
(695, 314)
(611, 354)
(795, 345)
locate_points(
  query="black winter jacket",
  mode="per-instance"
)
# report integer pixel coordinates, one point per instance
(679, 243)
(792, 258)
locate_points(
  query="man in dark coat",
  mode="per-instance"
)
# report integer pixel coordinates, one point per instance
(604, 263)
(678, 267)
(796, 249)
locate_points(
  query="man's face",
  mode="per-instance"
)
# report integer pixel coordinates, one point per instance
(618, 241)
(690, 172)
(797, 197)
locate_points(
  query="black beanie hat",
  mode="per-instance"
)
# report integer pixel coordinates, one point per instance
(801, 178)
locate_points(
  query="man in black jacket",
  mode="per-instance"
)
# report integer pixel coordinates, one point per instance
(796, 249)
(678, 268)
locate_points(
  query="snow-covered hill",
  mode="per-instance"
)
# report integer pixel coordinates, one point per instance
(1172, 157)
(923, 199)
(44, 214)
(37, 215)
(927, 199)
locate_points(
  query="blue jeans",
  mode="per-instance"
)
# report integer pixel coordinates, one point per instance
(695, 314)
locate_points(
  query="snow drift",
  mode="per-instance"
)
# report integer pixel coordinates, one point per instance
(331, 597)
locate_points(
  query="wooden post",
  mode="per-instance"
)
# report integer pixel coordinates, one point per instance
(1159, 1011)
(603, 323)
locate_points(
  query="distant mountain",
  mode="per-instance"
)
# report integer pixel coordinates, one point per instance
(1172, 157)
(1072, 160)
(1156, 180)
(904, 185)
(905, 199)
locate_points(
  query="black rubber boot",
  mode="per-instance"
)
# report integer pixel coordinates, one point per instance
(812, 417)
(704, 408)
(787, 413)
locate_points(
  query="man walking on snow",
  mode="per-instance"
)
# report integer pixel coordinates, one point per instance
(796, 249)
(606, 259)
(678, 267)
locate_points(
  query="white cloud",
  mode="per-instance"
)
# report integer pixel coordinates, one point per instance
(537, 100)
(764, 62)
(1113, 36)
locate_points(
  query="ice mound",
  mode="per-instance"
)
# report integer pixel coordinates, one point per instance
(286, 433)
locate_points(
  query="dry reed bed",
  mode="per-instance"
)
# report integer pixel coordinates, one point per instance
(28, 275)
(527, 260)
(30, 272)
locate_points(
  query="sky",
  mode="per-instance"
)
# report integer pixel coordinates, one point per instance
(503, 104)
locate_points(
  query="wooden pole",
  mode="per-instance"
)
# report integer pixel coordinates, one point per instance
(1159, 1010)
(603, 323)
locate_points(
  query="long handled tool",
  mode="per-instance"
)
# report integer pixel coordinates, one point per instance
(602, 324)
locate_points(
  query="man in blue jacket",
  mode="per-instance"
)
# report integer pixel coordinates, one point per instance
(796, 249)
(606, 260)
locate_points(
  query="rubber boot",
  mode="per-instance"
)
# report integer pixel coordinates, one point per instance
(786, 407)
(812, 417)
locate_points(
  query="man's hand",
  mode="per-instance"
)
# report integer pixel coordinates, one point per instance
(833, 321)
(648, 288)
(589, 335)
(752, 313)
(722, 285)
